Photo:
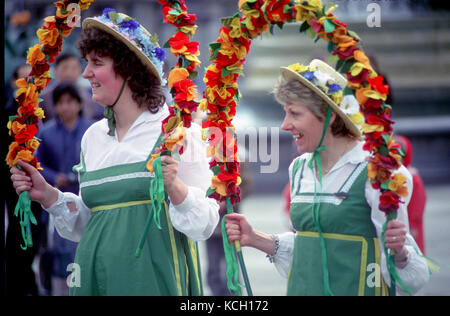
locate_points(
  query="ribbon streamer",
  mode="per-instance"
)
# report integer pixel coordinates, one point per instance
(316, 204)
(157, 196)
(232, 272)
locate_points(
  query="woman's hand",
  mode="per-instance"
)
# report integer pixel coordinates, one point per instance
(239, 229)
(175, 188)
(395, 239)
(30, 179)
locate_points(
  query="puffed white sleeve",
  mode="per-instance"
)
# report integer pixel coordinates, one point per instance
(416, 273)
(283, 258)
(70, 215)
(197, 216)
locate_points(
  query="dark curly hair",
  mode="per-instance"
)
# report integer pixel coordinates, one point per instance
(145, 86)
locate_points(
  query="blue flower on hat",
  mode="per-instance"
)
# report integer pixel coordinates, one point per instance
(107, 10)
(333, 88)
(160, 53)
(309, 75)
(131, 24)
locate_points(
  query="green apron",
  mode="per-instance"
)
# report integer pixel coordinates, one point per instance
(119, 199)
(351, 242)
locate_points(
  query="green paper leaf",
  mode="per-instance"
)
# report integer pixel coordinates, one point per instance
(333, 59)
(311, 33)
(339, 64)
(193, 75)
(385, 185)
(353, 34)
(166, 45)
(113, 16)
(329, 26)
(304, 27)
(287, 9)
(383, 151)
(174, 12)
(216, 170)
(347, 91)
(347, 65)
(331, 47)
(385, 138)
(210, 192)
(225, 72)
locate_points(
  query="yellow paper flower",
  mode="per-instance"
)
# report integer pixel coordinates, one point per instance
(297, 67)
(48, 37)
(39, 113)
(357, 119)
(397, 185)
(368, 128)
(177, 137)
(35, 55)
(32, 143)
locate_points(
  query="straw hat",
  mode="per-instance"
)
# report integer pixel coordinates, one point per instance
(328, 84)
(135, 36)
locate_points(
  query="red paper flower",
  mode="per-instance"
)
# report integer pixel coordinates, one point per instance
(377, 84)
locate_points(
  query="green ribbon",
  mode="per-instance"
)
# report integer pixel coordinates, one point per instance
(316, 204)
(23, 211)
(232, 271)
(157, 196)
(390, 261)
(108, 113)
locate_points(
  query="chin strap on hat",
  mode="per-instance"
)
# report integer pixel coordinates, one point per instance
(108, 113)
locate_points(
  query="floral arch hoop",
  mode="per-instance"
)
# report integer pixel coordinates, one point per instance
(221, 96)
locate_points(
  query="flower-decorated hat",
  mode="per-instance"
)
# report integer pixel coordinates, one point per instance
(329, 85)
(134, 35)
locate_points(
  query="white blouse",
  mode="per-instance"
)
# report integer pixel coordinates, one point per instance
(196, 217)
(415, 274)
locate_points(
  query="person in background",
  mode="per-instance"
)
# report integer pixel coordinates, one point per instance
(416, 206)
(60, 150)
(67, 68)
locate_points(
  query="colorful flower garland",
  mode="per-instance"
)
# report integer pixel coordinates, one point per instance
(24, 126)
(228, 55)
(181, 77)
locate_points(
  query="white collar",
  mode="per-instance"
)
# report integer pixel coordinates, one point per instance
(354, 156)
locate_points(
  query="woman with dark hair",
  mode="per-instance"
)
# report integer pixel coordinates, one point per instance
(336, 248)
(124, 68)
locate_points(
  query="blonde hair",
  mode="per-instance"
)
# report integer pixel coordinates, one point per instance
(293, 91)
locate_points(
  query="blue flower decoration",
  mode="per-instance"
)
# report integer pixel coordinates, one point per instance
(131, 24)
(309, 75)
(160, 53)
(333, 88)
(107, 10)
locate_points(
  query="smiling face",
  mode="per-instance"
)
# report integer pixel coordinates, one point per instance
(105, 83)
(305, 127)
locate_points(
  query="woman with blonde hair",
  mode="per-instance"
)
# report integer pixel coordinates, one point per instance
(335, 212)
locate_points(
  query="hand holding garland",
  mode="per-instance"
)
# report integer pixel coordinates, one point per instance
(174, 126)
(23, 126)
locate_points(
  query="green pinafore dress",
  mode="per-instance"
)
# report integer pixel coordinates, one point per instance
(119, 199)
(351, 244)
